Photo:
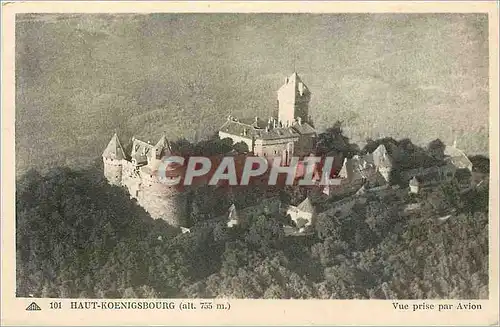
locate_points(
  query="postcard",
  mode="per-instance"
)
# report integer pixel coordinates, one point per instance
(249, 163)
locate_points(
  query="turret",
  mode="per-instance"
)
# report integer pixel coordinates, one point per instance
(161, 199)
(112, 158)
(162, 148)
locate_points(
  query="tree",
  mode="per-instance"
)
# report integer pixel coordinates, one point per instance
(241, 147)
(327, 225)
(183, 147)
(436, 149)
(333, 140)
(78, 236)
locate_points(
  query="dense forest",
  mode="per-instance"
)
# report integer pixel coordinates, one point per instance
(79, 237)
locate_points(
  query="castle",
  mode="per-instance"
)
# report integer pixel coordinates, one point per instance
(289, 134)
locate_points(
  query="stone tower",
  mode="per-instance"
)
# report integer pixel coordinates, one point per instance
(293, 101)
(162, 201)
(112, 158)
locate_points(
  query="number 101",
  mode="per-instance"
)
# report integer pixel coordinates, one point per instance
(55, 305)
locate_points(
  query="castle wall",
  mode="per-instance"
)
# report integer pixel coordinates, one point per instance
(131, 179)
(275, 148)
(113, 171)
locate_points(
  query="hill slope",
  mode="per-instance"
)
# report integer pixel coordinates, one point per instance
(79, 237)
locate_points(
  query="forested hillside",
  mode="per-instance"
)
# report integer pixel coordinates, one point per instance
(79, 237)
(81, 77)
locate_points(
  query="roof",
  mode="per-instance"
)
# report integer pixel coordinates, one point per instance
(357, 167)
(294, 86)
(306, 206)
(255, 122)
(381, 157)
(235, 127)
(114, 150)
(457, 158)
(233, 214)
(141, 151)
(347, 170)
(162, 147)
(414, 181)
(303, 128)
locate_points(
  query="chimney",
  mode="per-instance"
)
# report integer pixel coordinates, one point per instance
(256, 119)
(245, 132)
(299, 120)
(274, 124)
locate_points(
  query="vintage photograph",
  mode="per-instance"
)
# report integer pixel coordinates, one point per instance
(252, 155)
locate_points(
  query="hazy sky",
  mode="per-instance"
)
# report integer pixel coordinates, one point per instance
(80, 77)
